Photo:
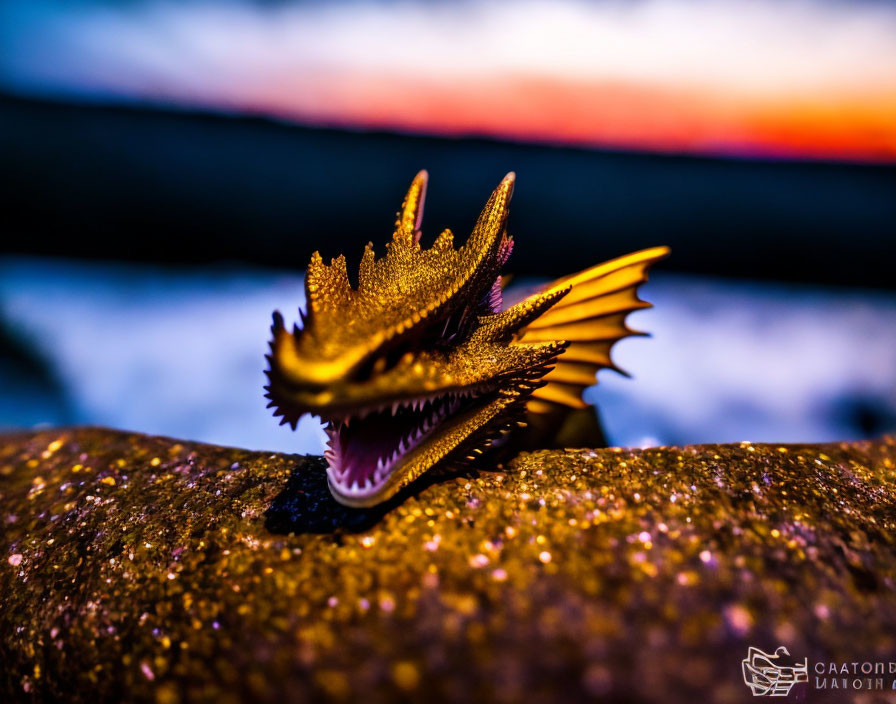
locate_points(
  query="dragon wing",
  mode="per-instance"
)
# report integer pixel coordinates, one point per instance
(591, 318)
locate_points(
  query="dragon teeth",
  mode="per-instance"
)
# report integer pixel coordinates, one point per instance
(433, 410)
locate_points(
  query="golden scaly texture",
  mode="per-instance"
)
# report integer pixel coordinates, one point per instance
(395, 293)
(144, 569)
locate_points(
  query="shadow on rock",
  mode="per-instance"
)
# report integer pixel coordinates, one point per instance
(306, 505)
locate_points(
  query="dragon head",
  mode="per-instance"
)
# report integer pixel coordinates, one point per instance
(416, 364)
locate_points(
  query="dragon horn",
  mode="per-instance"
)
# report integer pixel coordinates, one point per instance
(407, 226)
(490, 225)
(481, 256)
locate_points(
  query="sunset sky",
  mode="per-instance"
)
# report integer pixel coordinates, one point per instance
(755, 78)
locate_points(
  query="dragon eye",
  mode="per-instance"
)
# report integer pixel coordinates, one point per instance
(432, 335)
(380, 363)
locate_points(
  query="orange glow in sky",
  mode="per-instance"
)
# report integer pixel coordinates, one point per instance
(859, 126)
(801, 78)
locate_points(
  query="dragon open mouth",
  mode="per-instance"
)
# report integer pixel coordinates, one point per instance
(368, 446)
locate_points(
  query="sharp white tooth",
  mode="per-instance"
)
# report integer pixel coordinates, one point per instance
(395, 408)
(380, 464)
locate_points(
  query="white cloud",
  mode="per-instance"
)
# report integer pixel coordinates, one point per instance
(221, 52)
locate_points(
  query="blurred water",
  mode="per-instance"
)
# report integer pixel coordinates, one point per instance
(174, 352)
(180, 352)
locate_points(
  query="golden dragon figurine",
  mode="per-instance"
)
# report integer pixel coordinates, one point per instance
(419, 367)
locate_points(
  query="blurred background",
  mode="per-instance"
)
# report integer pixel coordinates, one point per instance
(168, 167)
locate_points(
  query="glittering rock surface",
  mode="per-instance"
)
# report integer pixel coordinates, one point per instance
(146, 569)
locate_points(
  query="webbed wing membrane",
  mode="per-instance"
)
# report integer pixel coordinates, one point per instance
(591, 318)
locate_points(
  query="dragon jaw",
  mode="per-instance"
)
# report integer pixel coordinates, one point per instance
(416, 365)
